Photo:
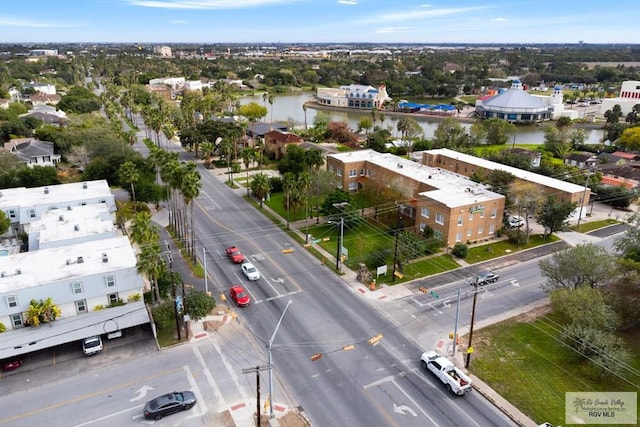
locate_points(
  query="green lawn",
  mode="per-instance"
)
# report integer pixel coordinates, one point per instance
(277, 203)
(594, 225)
(527, 364)
(505, 247)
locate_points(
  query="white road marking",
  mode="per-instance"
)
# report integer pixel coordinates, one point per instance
(201, 405)
(106, 417)
(216, 390)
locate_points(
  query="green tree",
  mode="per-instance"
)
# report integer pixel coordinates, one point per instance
(190, 189)
(152, 264)
(253, 112)
(248, 155)
(261, 186)
(128, 174)
(142, 231)
(5, 223)
(554, 214)
(449, 134)
(499, 131)
(584, 265)
(198, 304)
(630, 139)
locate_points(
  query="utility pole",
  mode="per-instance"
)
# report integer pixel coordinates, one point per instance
(584, 195)
(204, 262)
(257, 370)
(455, 328)
(473, 316)
(269, 347)
(340, 240)
(395, 250)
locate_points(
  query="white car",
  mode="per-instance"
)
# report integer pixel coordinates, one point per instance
(92, 345)
(250, 271)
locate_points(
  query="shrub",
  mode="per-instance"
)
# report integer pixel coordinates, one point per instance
(98, 307)
(134, 297)
(460, 250)
(2, 327)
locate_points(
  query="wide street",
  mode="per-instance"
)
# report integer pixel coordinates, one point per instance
(379, 384)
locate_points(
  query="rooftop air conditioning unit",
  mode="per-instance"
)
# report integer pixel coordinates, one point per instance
(18, 271)
(69, 262)
(84, 185)
(61, 217)
(76, 227)
(105, 258)
(80, 260)
(46, 190)
(3, 274)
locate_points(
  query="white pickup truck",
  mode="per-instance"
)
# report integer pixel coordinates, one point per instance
(455, 380)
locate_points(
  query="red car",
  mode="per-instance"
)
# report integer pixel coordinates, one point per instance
(235, 255)
(239, 295)
(10, 365)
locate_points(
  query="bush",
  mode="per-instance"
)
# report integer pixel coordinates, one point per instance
(2, 327)
(98, 307)
(460, 250)
(134, 297)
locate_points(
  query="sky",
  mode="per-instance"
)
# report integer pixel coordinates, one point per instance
(319, 21)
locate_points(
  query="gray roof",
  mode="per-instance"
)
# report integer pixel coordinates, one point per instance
(514, 98)
(33, 148)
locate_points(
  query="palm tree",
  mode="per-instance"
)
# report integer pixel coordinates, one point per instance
(207, 150)
(151, 263)
(128, 173)
(226, 149)
(271, 100)
(304, 108)
(288, 186)
(260, 186)
(142, 231)
(248, 155)
(190, 189)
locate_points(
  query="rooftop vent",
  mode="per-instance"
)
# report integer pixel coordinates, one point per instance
(84, 185)
(61, 218)
(80, 260)
(18, 271)
(76, 227)
(105, 258)
(68, 208)
(3, 274)
(46, 190)
(69, 262)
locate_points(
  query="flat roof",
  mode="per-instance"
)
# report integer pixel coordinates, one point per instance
(30, 269)
(71, 223)
(518, 173)
(54, 194)
(453, 189)
(75, 328)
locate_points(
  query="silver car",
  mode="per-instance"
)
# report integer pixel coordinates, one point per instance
(485, 277)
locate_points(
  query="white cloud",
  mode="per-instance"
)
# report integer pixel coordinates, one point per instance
(205, 4)
(415, 14)
(27, 23)
(349, 2)
(178, 22)
(387, 30)
(499, 20)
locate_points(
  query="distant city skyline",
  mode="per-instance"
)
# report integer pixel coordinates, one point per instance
(318, 21)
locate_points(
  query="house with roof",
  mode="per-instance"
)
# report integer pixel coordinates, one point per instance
(259, 129)
(580, 160)
(609, 158)
(614, 175)
(41, 98)
(535, 157)
(276, 142)
(353, 96)
(456, 208)
(627, 156)
(33, 152)
(45, 88)
(47, 114)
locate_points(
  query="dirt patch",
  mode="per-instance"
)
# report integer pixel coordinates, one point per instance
(532, 315)
(212, 325)
(291, 419)
(224, 419)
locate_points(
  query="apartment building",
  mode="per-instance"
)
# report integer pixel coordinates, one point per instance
(457, 209)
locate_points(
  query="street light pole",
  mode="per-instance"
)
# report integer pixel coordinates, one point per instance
(473, 316)
(204, 262)
(395, 250)
(269, 347)
(584, 194)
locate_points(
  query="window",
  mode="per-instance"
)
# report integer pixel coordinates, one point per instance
(16, 320)
(353, 186)
(422, 226)
(353, 173)
(480, 230)
(491, 228)
(425, 212)
(339, 172)
(361, 172)
(469, 233)
(32, 213)
(81, 306)
(12, 301)
(470, 217)
(369, 172)
(459, 220)
(110, 281)
(12, 213)
(76, 287)
(482, 214)
(493, 213)
(458, 236)
(440, 218)
(113, 298)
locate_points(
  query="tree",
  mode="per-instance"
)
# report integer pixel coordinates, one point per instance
(128, 174)
(336, 196)
(499, 131)
(449, 134)
(628, 244)
(248, 155)
(261, 186)
(253, 112)
(409, 129)
(584, 265)
(5, 223)
(630, 139)
(198, 304)
(142, 231)
(293, 160)
(151, 263)
(190, 189)
(554, 214)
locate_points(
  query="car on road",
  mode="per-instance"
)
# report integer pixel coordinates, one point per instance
(235, 255)
(11, 364)
(240, 296)
(92, 345)
(250, 271)
(485, 277)
(168, 404)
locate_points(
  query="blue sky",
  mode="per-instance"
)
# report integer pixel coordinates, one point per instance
(321, 21)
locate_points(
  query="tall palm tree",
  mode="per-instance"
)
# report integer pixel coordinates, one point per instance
(128, 173)
(261, 186)
(226, 149)
(151, 263)
(207, 150)
(304, 108)
(142, 231)
(271, 100)
(289, 184)
(248, 155)
(190, 189)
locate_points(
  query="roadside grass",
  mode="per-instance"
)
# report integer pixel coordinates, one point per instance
(525, 362)
(505, 247)
(167, 337)
(594, 225)
(278, 204)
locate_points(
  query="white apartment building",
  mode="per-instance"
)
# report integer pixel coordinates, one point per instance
(629, 96)
(25, 205)
(193, 85)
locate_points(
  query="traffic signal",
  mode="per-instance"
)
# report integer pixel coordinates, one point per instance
(316, 357)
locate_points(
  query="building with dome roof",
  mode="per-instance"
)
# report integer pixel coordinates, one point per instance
(517, 106)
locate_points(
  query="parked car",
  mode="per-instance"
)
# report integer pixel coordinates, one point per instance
(168, 404)
(250, 271)
(516, 221)
(92, 345)
(485, 277)
(11, 364)
(239, 295)
(235, 255)
(115, 334)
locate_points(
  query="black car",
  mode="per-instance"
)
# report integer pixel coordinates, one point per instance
(485, 277)
(168, 404)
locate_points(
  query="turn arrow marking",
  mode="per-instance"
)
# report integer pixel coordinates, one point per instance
(142, 392)
(403, 409)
